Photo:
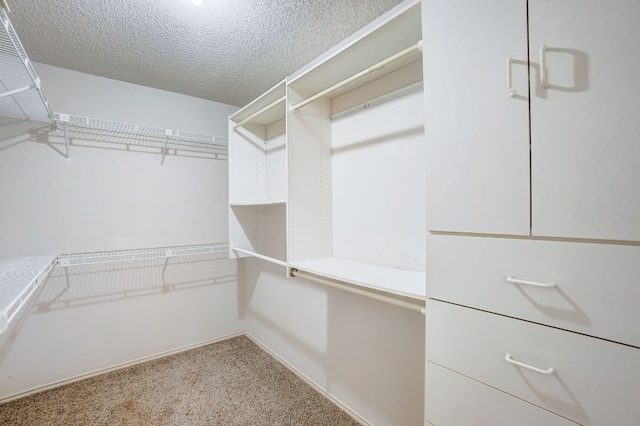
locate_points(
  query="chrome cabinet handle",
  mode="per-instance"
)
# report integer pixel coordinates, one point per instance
(527, 366)
(512, 280)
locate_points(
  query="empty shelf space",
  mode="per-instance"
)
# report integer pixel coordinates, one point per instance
(19, 279)
(400, 282)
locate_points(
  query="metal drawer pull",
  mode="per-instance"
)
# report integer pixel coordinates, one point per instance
(527, 366)
(512, 280)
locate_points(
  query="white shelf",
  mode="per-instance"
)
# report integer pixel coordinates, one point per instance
(397, 32)
(153, 136)
(259, 204)
(78, 259)
(22, 95)
(267, 109)
(400, 282)
(19, 279)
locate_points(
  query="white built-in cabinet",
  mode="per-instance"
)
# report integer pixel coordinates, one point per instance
(570, 95)
(534, 240)
(336, 153)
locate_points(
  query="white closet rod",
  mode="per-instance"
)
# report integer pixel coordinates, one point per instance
(361, 291)
(254, 115)
(398, 56)
(260, 256)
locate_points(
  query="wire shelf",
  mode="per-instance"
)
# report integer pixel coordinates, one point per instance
(136, 134)
(19, 279)
(22, 95)
(79, 259)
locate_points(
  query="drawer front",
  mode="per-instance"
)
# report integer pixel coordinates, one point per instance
(455, 400)
(594, 382)
(596, 292)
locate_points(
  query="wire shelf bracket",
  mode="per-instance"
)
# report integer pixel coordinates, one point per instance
(164, 139)
(22, 95)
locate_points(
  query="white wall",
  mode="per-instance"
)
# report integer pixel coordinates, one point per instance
(367, 354)
(113, 196)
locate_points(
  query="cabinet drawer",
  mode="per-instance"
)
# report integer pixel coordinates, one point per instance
(596, 285)
(452, 399)
(594, 382)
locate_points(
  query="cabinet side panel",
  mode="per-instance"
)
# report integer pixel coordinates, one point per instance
(477, 135)
(309, 184)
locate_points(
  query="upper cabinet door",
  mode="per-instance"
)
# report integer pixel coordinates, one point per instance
(585, 124)
(477, 134)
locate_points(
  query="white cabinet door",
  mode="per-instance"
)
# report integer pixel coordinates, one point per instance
(585, 126)
(477, 135)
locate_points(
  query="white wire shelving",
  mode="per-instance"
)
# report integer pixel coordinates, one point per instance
(94, 258)
(135, 134)
(22, 95)
(19, 278)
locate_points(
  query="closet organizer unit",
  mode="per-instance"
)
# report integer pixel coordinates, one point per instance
(257, 178)
(355, 161)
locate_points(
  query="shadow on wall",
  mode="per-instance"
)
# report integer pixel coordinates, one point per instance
(81, 286)
(14, 132)
(368, 354)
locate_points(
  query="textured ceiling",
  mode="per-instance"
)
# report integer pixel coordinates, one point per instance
(228, 51)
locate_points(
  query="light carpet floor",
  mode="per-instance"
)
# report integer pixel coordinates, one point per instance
(232, 382)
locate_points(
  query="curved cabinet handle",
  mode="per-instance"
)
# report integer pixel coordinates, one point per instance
(512, 93)
(527, 366)
(544, 81)
(512, 280)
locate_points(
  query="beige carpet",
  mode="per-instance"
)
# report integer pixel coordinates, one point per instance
(232, 382)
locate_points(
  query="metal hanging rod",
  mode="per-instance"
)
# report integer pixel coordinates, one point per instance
(254, 115)
(359, 290)
(260, 256)
(19, 78)
(78, 259)
(413, 88)
(398, 56)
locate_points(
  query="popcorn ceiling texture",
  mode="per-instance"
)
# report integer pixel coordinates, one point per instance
(228, 51)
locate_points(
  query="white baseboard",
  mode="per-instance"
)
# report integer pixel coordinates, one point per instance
(355, 415)
(116, 367)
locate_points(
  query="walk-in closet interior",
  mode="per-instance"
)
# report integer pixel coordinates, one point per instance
(387, 212)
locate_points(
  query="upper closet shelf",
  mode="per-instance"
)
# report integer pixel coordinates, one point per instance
(380, 49)
(19, 279)
(265, 110)
(93, 258)
(22, 95)
(135, 134)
